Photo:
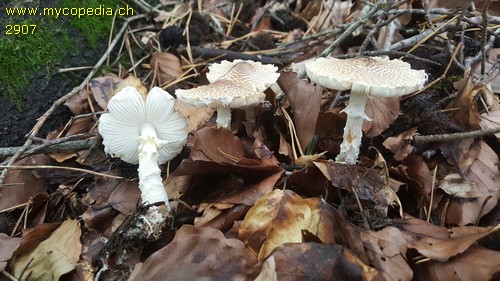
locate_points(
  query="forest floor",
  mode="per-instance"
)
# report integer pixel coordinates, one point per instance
(264, 198)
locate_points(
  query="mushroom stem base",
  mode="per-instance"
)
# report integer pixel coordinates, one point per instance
(223, 117)
(353, 130)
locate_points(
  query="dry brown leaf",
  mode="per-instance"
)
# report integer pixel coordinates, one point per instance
(475, 264)
(195, 116)
(103, 88)
(400, 145)
(418, 171)
(370, 185)
(21, 185)
(166, 67)
(483, 176)
(314, 261)
(383, 112)
(491, 120)
(7, 247)
(441, 244)
(268, 271)
(53, 257)
(461, 153)
(305, 100)
(199, 254)
(218, 145)
(133, 81)
(279, 217)
(387, 252)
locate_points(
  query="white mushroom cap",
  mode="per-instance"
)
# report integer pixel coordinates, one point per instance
(221, 93)
(259, 76)
(377, 75)
(129, 114)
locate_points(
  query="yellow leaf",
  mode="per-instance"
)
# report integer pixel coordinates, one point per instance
(55, 256)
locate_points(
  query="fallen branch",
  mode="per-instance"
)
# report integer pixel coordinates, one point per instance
(229, 55)
(64, 147)
(455, 136)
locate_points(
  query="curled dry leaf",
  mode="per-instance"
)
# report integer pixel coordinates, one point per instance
(218, 145)
(21, 185)
(370, 185)
(314, 261)
(279, 217)
(383, 111)
(198, 254)
(477, 263)
(483, 177)
(7, 247)
(195, 116)
(305, 100)
(53, 257)
(166, 67)
(400, 145)
(491, 120)
(441, 244)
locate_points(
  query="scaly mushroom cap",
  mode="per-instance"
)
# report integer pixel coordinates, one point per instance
(128, 112)
(259, 76)
(378, 76)
(221, 93)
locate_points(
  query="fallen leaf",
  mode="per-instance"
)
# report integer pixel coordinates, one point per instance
(383, 112)
(305, 100)
(53, 257)
(199, 254)
(314, 261)
(218, 145)
(491, 120)
(166, 67)
(195, 116)
(279, 217)
(476, 263)
(21, 185)
(400, 145)
(7, 247)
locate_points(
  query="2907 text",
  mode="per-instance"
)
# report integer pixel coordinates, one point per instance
(20, 29)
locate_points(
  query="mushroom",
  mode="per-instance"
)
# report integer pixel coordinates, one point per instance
(237, 84)
(376, 76)
(254, 74)
(147, 132)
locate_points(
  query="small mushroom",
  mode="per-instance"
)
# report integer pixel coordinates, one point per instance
(221, 95)
(237, 84)
(255, 74)
(364, 76)
(148, 132)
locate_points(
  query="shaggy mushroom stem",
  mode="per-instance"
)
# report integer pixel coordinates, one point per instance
(150, 181)
(223, 117)
(353, 130)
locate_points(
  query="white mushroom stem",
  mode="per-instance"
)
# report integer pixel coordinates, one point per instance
(223, 117)
(353, 130)
(150, 181)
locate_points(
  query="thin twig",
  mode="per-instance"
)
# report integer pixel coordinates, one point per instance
(60, 168)
(64, 98)
(352, 27)
(455, 136)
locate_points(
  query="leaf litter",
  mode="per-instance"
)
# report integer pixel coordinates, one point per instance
(264, 199)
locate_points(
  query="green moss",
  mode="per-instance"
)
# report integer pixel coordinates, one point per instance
(24, 56)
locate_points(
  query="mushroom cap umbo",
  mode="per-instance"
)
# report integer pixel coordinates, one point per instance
(378, 76)
(259, 76)
(221, 93)
(129, 112)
